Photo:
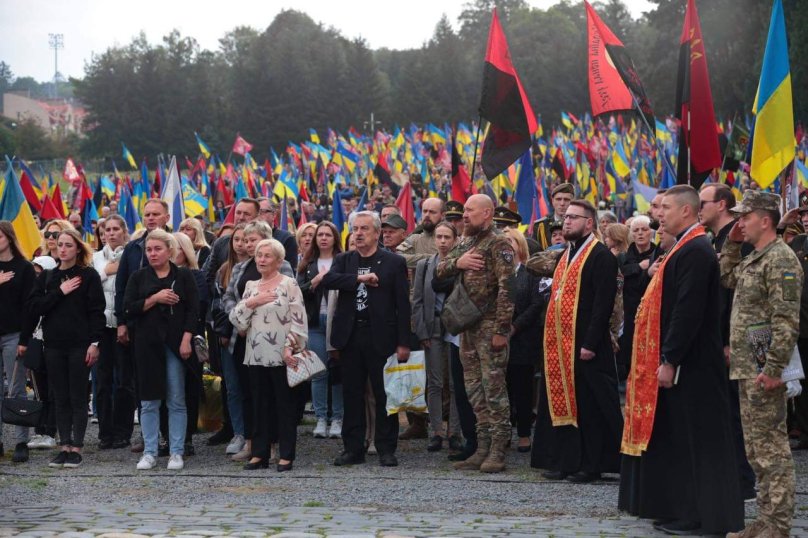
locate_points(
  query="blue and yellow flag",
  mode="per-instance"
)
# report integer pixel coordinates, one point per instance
(129, 157)
(16, 210)
(773, 140)
(202, 146)
(194, 202)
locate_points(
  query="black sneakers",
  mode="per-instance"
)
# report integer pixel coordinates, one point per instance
(59, 460)
(20, 453)
(73, 460)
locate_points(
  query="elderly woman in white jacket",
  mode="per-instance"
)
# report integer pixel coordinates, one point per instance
(115, 410)
(273, 316)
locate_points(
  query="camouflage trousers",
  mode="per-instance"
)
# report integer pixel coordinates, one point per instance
(484, 375)
(763, 414)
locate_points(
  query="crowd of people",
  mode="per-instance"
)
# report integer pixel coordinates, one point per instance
(690, 313)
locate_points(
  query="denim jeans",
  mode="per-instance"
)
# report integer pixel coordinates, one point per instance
(234, 396)
(177, 416)
(319, 383)
(8, 345)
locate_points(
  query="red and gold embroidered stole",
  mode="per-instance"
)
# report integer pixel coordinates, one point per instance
(642, 386)
(559, 336)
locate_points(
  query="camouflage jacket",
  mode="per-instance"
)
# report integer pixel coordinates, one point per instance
(765, 310)
(490, 288)
(417, 247)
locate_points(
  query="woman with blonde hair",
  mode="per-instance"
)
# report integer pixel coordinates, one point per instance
(192, 228)
(185, 255)
(70, 300)
(305, 238)
(616, 238)
(162, 304)
(50, 232)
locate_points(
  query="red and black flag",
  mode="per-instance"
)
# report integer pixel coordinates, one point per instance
(694, 106)
(612, 76)
(461, 183)
(505, 105)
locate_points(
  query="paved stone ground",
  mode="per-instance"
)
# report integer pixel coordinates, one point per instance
(422, 497)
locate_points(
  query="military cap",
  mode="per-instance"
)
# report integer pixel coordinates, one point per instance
(454, 210)
(507, 216)
(395, 221)
(754, 200)
(564, 187)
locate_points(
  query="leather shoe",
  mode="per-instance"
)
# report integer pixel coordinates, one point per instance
(388, 460)
(455, 442)
(523, 449)
(105, 444)
(120, 443)
(349, 458)
(284, 467)
(657, 524)
(554, 475)
(435, 443)
(221, 437)
(681, 528)
(583, 478)
(260, 464)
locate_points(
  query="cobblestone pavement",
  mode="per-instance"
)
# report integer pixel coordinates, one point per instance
(422, 497)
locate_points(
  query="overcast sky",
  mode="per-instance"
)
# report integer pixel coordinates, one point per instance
(94, 25)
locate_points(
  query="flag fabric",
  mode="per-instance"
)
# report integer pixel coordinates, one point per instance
(338, 216)
(612, 75)
(203, 148)
(49, 210)
(71, 173)
(404, 204)
(694, 106)
(58, 201)
(461, 182)
(314, 136)
(801, 173)
(128, 211)
(15, 209)
(28, 191)
(607, 92)
(87, 209)
(194, 202)
(129, 157)
(172, 195)
(773, 143)
(505, 105)
(526, 193)
(620, 160)
(737, 143)
(643, 195)
(241, 146)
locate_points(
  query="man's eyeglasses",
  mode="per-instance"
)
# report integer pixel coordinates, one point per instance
(266, 211)
(574, 217)
(705, 202)
(51, 235)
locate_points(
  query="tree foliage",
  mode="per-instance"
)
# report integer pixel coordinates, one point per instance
(272, 85)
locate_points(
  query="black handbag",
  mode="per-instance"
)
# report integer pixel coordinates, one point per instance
(22, 411)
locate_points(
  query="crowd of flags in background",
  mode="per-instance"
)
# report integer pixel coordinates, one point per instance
(616, 156)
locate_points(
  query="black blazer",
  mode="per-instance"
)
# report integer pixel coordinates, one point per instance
(389, 302)
(528, 305)
(289, 244)
(312, 298)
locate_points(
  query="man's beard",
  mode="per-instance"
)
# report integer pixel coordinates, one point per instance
(654, 225)
(471, 230)
(428, 226)
(572, 235)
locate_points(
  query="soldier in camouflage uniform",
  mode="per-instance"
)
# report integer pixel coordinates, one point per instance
(763, 332)
(560, 197)
(485, 263)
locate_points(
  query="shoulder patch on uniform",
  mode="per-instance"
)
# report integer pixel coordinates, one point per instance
(791, 286)
(507, 255)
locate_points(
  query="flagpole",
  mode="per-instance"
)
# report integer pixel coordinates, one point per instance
(652, 132)
(729, 139)
(688, 145)
(476, 142)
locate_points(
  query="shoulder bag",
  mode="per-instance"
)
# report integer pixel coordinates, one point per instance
(22, 411)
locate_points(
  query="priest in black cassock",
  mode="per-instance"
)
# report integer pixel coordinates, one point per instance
(579, 367)
(679, 465)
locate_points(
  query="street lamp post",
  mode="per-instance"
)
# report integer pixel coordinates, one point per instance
(56, 42)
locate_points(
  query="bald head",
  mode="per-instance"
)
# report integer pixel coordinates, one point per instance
(478, 214)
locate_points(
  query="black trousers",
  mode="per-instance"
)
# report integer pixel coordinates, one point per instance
(465, 412)
(244, 383)
(116, 389)
(520, 382)
(69, 377)
(274, 406)
(48, 424)
(359, 365)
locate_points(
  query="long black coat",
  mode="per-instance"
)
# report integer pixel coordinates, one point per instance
(689, 471)
(528, 304)
(388, 303)
(160, 326)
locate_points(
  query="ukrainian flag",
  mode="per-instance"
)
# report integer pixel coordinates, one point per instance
(338, 217)
(16, 210)
(773, 140)
(202, 146)
(346, 158)
(620, 160)
(194, 202)
(128, 156)
(802, 173)
(314, 136)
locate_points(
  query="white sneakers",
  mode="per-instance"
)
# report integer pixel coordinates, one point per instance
(319, 430)
(236, 445)
(146, 462)
(42, 441)
(336, 429)
(175, 463)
